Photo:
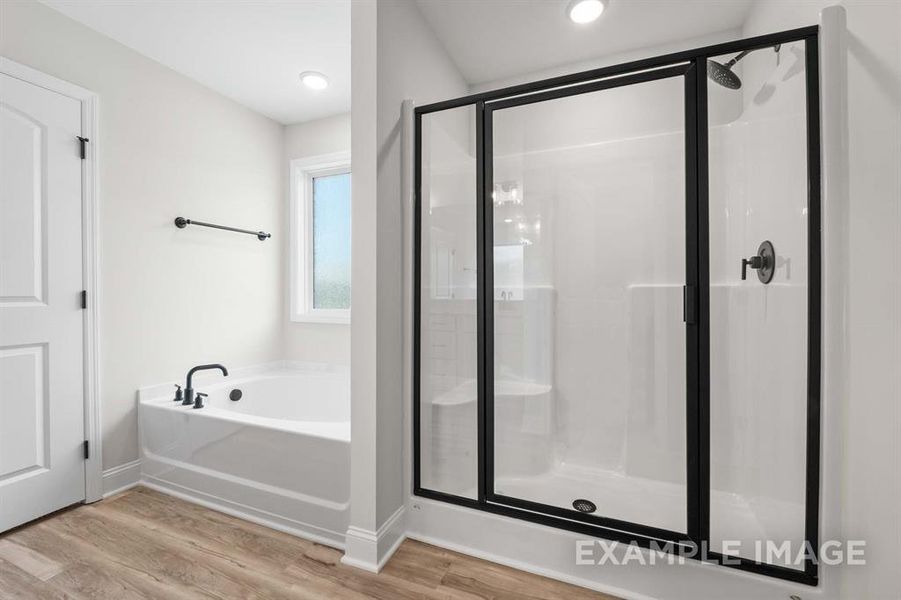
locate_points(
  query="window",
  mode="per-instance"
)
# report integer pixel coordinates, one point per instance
(320, 239)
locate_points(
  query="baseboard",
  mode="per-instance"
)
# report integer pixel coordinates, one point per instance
(371, 550)
(118, 479)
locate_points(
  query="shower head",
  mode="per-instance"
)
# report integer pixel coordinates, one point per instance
(723, 73)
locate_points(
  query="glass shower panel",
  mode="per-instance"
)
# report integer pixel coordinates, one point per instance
(758, 329)
(448, 343)
(589, 340)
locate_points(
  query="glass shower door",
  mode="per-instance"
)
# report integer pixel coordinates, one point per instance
(591, 261)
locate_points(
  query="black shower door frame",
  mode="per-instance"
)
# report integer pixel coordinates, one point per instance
(691, 65)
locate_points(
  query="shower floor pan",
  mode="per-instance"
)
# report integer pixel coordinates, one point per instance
(617, 496)
(733, 517)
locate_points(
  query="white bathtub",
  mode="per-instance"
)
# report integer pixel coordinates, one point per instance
(279, 456)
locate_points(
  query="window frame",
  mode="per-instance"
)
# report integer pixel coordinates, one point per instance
(301, 261)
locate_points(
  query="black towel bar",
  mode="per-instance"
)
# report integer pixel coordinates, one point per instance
(182, 222)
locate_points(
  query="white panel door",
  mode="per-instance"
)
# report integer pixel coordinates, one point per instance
(41, 330)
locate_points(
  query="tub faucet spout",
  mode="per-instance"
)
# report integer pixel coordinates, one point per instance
(189, 389)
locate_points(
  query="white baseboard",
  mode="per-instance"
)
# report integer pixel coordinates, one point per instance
(371, 550)
(118, 479)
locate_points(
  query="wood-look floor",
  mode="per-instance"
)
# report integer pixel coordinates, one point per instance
(142, 544)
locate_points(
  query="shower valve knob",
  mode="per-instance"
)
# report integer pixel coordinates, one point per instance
(755, 262)
(764, 263)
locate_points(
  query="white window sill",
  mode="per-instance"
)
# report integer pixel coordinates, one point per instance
(323, 318)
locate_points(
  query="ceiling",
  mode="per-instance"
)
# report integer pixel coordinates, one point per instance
(499, 39)
(251, 51)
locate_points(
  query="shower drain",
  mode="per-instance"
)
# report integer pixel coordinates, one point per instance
(583, 505)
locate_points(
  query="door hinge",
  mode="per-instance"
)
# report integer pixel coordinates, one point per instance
(83, 141)
(84, 299)
(689, 304)
(87, 449)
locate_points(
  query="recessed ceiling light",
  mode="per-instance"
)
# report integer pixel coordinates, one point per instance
(314, 80)
(585, 11)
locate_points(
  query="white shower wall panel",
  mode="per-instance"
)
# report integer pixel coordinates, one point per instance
(612, 229)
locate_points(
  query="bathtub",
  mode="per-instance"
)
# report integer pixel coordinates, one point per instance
(278, 456)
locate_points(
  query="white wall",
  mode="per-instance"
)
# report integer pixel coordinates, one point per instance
(315, 342)
(168, 147)
(360, 546)
(321, 136)
(395, 56)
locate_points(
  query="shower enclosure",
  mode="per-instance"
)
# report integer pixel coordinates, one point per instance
(617, 302)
